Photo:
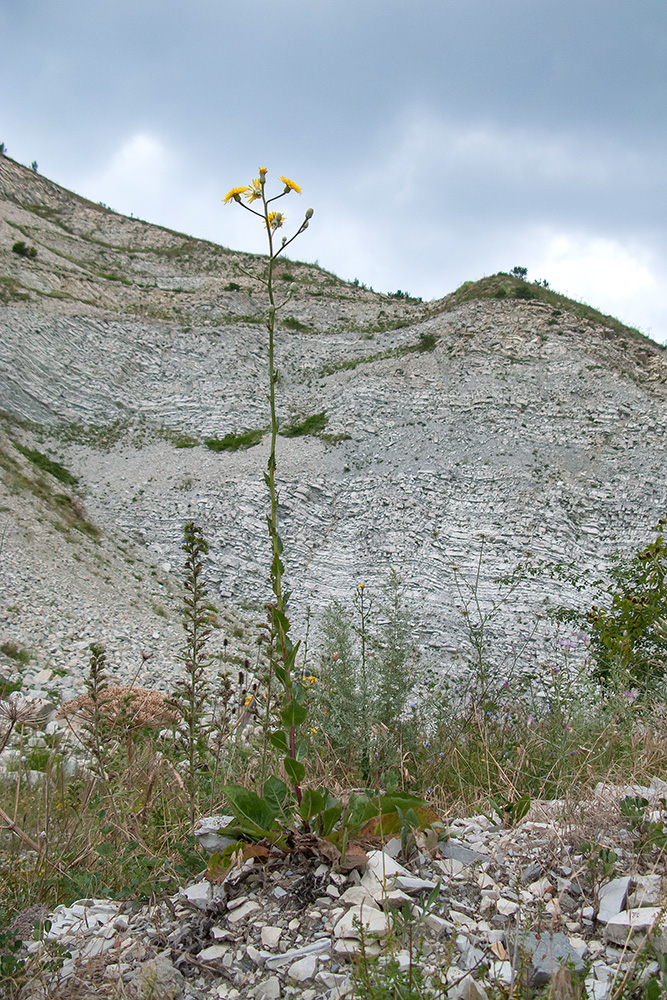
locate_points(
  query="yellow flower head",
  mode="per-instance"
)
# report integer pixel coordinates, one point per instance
(234, 194)
(290, 185)
(255, 191)
(276, 220)
(262, 175)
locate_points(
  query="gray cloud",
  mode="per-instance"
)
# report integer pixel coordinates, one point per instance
(436, 141)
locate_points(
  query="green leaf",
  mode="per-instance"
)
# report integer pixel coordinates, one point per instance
(280, 620)
(282, 675)
(275, 793)
(254, 815)
(360, 810)
(105, 850)
(290, 659)
(329, 818)
(312, 803)
(400, 800)
(279, 740)
(653, 990)
(295, 769)
(293, 714)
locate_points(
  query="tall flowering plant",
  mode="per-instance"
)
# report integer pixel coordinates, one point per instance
(254, 199)
(282, 814)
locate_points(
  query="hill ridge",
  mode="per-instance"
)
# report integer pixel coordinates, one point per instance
(539, 427)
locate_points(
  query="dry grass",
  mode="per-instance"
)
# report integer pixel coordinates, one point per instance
(131, 707)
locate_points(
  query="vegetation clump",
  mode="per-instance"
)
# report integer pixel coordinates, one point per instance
(23, 250)
(313, 424)
(48, 465)
(236, 442)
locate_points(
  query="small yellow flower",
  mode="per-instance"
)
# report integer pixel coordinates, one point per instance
(275, 220)
(290, 185)
(249, 700)
(262, 175)
(255, 190)
(361, 586)
(234, 194)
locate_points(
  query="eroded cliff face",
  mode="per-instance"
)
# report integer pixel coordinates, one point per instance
(526, 427)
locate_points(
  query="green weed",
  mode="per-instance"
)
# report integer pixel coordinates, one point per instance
(48, 465)
(236, 442)
(313, 424)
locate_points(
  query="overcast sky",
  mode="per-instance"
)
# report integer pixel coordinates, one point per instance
(436, 140)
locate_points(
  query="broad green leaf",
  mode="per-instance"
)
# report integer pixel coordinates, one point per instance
(391, 822)
(293, 714)
(105, 850)
(359, 811)
(254, 815)
(400, 800)
(312, 803)
(329, 818)
(295, 769)
(279, 740)
(275, 793)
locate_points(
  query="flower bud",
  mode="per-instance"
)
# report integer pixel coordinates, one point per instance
(309, 213)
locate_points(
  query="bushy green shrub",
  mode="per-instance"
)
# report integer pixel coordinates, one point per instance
(628, 633)
(366, 677)
(23, 250)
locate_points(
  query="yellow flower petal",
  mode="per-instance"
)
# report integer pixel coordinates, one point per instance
(254, 191)
(290, 185)
(233, 195)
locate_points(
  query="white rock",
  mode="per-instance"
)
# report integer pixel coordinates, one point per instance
(357, 894)
(233, 904)
(639, 920)
(352, 946)
(384, 867)
(271, 936)
(304, 968)
(213, 952)
(242, 912)
(450, 866)
(317, 947)
(372, 920)
(506, 907)
(410, 884)
(268, 990)
(596, 990)
(254, 955)
(198, 894)
(462, 920)
(612, 898)
(648, 891)
(501, 972)
(468, 989)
